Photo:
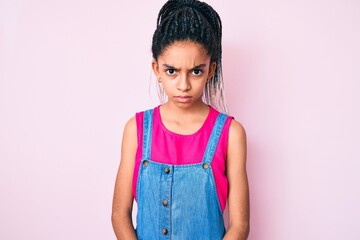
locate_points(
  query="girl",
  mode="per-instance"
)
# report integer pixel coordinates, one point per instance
(183, 160)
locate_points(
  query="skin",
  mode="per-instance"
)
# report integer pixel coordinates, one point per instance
(183, 69)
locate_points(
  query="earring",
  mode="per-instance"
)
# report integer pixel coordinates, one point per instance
(161, 92)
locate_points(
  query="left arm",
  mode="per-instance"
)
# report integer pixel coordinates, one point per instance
(238, 198)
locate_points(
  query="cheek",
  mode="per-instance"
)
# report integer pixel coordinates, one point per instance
(199, 83)
(168, 84)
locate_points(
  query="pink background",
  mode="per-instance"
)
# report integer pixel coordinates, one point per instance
(73, 72)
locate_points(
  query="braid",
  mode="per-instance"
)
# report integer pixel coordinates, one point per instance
(214, 90)
(168, 7)
(196, 21)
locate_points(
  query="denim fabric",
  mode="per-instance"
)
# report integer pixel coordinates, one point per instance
(192, 209)
(148, 119)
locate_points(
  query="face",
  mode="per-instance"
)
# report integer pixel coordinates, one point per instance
(184, 69)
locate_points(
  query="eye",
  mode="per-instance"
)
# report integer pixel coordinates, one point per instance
(170, 71)
(197, 72)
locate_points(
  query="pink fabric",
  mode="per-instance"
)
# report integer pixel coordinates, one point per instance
(176, 149)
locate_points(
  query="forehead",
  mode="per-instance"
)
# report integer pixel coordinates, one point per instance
(185, 51)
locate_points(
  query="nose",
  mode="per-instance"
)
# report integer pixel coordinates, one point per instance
(183, 83)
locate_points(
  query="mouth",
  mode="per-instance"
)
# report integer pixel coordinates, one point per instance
(183, 99)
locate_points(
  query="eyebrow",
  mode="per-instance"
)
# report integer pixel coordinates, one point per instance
(196, 67)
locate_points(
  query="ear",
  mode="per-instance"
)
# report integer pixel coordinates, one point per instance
(155, 68)
(211, 70)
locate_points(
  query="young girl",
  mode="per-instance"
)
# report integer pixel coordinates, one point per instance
(184, 160)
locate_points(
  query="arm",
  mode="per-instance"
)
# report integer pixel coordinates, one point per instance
(121, 217)
(238, 198)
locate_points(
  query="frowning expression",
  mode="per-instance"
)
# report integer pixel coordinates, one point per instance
(184, 69)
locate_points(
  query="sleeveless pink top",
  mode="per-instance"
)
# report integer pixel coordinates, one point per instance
(177, 149)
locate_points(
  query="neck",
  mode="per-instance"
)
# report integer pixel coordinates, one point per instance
(197, 108)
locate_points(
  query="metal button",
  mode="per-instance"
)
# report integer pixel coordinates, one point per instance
(167, 170)
(205, 165)
(146, 163)
(165, 203)
(164, 231)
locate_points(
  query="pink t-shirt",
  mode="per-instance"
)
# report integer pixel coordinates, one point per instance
(177, 149)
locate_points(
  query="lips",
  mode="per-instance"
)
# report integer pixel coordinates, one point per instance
(183, 99)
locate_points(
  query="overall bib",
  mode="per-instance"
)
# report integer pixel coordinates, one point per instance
(178, 202)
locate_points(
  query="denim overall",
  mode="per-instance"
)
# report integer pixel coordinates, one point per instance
(178, 202)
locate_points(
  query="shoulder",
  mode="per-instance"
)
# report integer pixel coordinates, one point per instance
(136, 121)
(130, 128)
(236, 141)
(134, 126)
(131, 123)
(236, 130)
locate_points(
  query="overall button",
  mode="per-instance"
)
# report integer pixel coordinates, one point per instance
(205, 165)
(167, 170)
(165, 203)
(164, 231)
(146, 163)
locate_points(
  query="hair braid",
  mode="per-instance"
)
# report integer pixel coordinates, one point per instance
(214, 91)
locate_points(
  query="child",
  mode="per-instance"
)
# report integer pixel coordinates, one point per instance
(183, 160)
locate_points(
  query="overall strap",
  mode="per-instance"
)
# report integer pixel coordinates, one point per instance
(214, 138)
(147, 132)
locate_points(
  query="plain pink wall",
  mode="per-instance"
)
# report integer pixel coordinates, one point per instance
(73, 72)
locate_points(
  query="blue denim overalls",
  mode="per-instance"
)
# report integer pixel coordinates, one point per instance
(178, 202)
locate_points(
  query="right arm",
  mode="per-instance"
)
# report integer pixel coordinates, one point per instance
(121, 217)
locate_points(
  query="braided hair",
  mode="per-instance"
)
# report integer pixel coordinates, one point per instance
(193, 20)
